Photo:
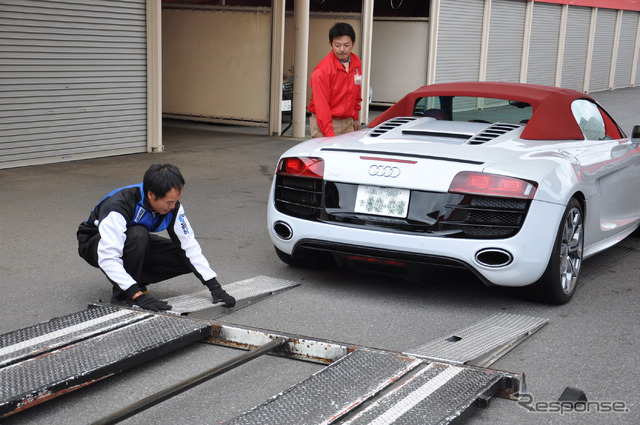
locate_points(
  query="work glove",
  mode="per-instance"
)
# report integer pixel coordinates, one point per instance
(218, 294)
(145, 301)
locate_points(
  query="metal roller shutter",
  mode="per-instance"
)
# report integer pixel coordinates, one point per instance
(72, 80)
(543, 49)
(637, 70)
(576, 46)
(626, 46)
(459, 41)
(506, 35)
(602, 49)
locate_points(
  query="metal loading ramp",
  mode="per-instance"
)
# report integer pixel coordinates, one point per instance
(359, 385)
(396, 389)
(483, 343)
(436, 395)
(64, 354)
(44, 361)
(333, 391)
(246, 292)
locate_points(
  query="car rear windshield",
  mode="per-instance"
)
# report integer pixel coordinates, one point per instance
(473, 109)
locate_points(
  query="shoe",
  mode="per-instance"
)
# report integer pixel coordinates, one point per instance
(118, 297)
(121, 301)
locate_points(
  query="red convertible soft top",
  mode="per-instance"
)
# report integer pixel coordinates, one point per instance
(552, 118)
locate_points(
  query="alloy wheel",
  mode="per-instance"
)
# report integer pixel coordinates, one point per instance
(571, 250)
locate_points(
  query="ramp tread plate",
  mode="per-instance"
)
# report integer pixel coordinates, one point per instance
(435, 395)
(44, 377)
(331, 392)
(477, 340)
(255, 286)
(59, 331)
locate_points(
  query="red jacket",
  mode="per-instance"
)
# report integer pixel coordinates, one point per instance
(334, 92)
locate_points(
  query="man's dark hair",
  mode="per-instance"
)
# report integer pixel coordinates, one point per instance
(161, 178)
(341, 29)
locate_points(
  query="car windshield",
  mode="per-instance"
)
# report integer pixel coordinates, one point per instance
(473, 109)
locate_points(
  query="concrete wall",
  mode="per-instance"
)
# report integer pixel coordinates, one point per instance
(216, 65)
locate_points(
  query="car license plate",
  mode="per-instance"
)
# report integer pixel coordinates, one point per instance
(387, 201)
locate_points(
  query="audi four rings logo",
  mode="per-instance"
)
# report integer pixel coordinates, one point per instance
(384, 171)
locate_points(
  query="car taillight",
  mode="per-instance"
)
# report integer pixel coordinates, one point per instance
(302, 166)
(492, 185)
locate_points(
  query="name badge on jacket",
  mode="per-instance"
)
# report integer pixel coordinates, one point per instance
(357, 79)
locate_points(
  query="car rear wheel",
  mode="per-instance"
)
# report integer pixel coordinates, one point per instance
(308, 259)
(558, 283)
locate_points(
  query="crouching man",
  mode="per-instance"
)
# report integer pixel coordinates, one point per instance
(118, 237)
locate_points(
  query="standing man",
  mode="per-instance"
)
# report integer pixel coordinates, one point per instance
(118, 238)
(335, 86)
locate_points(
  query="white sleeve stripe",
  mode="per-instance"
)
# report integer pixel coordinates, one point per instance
(191, 247)
(112, 237)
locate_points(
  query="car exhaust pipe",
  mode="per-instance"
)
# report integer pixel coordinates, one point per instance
(494, 257)
(282, 230)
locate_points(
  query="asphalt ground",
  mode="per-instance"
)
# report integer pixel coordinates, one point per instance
(590, 343)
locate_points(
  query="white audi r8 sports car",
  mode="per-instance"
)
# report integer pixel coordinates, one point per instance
(517, 183)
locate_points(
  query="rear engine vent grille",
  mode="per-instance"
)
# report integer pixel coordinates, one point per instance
(485, 217)
(298, 196)
(390, 125)
(492, 132)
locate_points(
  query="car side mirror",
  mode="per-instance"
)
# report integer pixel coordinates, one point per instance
(635, 134)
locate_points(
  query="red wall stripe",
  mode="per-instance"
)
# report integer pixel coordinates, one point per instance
(606, 4)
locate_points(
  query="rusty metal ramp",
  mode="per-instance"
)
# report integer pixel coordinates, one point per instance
(433, 384)
(378, 387)
(359, 385)
(41, 362)
(53, 358)
(437, 394)
(60, 331)
(333, 391)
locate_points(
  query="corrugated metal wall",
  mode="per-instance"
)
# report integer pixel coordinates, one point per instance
(637, 77)
(459, 41)
(543, 49)
(576, 47)
(627, 44)
(506, 35)
(72, 80)
(73, 73)
(461, 32)
(637, 53)
(602, 50)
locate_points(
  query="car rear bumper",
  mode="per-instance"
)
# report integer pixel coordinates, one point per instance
(529, 250)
